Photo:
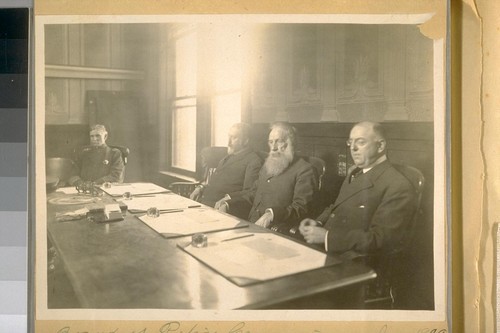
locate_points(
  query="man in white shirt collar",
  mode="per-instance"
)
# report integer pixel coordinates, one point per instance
(372, 211)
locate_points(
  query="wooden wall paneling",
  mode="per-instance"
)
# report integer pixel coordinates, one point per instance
(148, 37)
(329, 73)
(165, 90)
(360, 73)
(394, 41)
(56, 44)
(419, 76)
(57, 108)
(56, 90)
(96, 45)
(264, 57)
(304, 73)
(62, 140)
(334, 156)
(74, 44)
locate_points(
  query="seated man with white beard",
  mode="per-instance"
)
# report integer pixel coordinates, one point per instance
(285, 187)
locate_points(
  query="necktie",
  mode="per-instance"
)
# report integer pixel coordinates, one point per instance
(356, 173)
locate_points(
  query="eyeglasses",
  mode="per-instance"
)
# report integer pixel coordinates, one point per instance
(360, 142)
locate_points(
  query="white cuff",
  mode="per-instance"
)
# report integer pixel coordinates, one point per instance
(270, 210)
(326, 241)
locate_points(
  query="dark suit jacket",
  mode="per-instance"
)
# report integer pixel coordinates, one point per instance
(373, 213)
(98, 164)
(234, 174)
(288, 194)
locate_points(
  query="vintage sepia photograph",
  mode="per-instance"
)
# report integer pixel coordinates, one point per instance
(240, 162)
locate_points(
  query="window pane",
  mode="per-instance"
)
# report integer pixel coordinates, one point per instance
(184, 138)
(185, 65)
(226, 111)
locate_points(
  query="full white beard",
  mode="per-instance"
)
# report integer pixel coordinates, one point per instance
(275, 165)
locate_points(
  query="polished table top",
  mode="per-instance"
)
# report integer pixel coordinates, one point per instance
(126, 264)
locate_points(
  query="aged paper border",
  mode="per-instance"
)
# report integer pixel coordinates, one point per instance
(133, 320)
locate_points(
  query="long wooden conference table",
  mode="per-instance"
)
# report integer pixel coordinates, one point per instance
(128, 265)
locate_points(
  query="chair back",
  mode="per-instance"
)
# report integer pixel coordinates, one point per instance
(210, 158)
(319, 166)
(416, 178)
(125, 152)
(59, 167)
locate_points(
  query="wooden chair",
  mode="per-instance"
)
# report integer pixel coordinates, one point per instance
(210, 158)
(125, 152)
(319, 166)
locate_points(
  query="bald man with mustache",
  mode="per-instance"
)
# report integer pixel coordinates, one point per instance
(375, 206)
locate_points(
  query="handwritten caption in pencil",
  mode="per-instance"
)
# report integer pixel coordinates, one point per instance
(178, 327)
(172, 326)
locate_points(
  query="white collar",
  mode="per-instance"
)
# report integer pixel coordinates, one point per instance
(377, 162)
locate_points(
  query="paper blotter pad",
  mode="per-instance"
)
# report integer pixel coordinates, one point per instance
(191, 221)
(256, 258)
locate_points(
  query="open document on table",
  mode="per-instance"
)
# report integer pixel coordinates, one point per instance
(247, 258)
(191, 221)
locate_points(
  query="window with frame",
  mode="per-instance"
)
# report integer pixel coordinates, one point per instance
(184, 102)
(205, 69)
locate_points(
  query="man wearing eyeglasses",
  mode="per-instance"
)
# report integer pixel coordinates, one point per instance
(375, 206)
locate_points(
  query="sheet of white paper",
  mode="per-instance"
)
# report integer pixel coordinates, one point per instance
(160, 201)
(262, 256)
(190, 221)
(67, 190)
(117, 189)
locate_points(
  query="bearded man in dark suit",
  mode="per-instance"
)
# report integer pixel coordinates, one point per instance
(235, 173)
(373, 212)
(285, 187)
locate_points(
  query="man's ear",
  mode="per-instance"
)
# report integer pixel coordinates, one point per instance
(105, 137)
(381, 145)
